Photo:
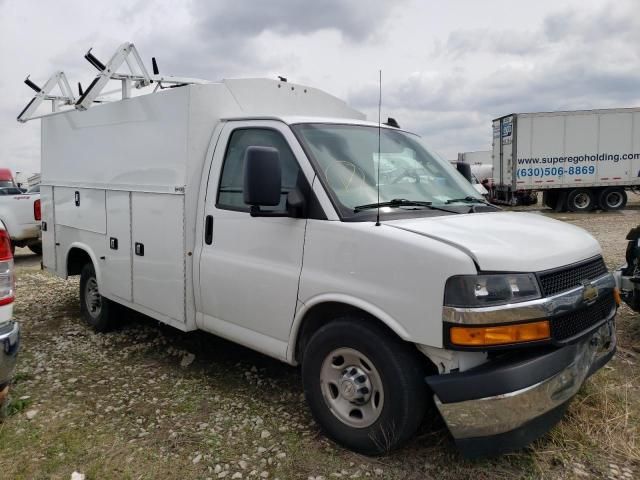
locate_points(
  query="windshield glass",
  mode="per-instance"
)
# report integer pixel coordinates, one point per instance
(347, 157)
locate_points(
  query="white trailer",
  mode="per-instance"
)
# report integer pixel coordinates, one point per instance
(580, 160)
(272, 214)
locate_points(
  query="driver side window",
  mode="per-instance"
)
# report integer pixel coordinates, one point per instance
(230, 189)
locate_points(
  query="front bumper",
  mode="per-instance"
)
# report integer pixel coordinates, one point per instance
(504, 405)
(9, 345)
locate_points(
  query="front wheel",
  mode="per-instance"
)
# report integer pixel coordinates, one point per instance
(364, 386)
(95, 309)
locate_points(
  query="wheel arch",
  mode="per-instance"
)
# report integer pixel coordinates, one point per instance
(323, 309)
(77, 256)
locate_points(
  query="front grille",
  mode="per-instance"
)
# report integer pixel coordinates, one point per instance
(568, 325)
(557, 281)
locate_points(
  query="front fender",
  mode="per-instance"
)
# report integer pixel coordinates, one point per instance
(346, 300)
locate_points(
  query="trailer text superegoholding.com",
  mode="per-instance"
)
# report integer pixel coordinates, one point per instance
(613, 157)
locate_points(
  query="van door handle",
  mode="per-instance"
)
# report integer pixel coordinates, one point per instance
(208, 230)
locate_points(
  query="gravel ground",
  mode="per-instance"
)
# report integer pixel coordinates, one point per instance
(147, 401)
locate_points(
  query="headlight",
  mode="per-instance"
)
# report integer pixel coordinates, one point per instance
(488, 290)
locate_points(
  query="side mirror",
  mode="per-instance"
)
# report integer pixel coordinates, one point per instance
(262, 177)
(465, 170)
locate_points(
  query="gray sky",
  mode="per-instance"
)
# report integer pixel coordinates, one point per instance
(448, 67)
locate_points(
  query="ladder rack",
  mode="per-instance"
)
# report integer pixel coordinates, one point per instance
(138, 77)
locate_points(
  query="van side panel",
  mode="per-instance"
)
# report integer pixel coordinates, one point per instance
(159, 253)
(117, 278)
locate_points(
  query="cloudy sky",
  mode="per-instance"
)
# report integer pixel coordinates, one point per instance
(448, 67)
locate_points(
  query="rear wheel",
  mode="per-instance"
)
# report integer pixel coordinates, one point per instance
(96, 310)
(364, 386)
(580, 200)
(612, 198)
(36, 248)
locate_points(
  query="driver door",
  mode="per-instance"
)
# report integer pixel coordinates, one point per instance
(250, 266)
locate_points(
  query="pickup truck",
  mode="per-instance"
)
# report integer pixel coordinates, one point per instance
(20, 213)
(9, 330)
(274, 215)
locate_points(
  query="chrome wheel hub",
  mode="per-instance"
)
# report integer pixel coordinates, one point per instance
(582, 200)
(351, 387)
(92, 298)
(613, 200)
(355, 385)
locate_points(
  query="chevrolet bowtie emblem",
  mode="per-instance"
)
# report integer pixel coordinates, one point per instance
(590, 292)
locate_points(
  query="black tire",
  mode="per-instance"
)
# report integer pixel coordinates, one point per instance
(561, 202)
(397, 366)
(36, 248)
(581, 200)
(550, 198)
(612, 198)
(101, 317)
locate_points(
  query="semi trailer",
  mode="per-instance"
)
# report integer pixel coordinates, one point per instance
(274, 215)
(579, 160)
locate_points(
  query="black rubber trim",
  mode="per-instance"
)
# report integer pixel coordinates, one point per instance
(25, 108)
(522, 436)
(86, 92)
(500, 376)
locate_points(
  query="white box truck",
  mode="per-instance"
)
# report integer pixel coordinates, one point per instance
(252, 209)
(580, 160)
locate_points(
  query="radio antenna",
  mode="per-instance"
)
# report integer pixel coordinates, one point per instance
(379, 133)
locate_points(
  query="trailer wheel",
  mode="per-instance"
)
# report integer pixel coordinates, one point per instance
(580, 200)
(364, 386)
(612, 198)
(550, 198)
(561, 201)
(95, 309)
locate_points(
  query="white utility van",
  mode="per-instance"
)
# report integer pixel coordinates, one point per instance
(249, 209)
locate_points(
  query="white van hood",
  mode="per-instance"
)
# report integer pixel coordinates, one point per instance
(508, 241)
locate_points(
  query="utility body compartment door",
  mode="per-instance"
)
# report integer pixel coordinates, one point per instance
(48, 228)
(82, 208)
(159, 253)
(116, 269)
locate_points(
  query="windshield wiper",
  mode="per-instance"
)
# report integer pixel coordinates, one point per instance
(396, 202)
(468, 199)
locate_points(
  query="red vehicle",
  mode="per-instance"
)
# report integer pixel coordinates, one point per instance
(6, 178)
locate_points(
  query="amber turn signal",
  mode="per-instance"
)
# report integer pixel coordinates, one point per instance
(616, 296)
(500, 335)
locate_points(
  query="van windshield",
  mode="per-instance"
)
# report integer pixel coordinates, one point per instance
(348, 159)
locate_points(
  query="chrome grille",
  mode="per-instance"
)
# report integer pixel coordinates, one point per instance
(568, 325)
(556, 281)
